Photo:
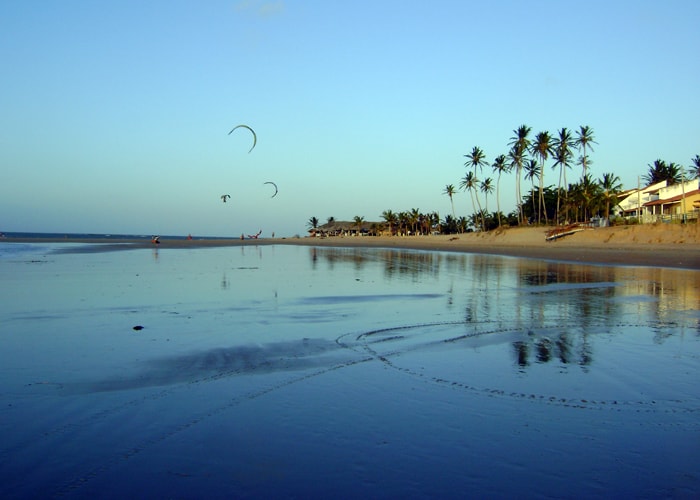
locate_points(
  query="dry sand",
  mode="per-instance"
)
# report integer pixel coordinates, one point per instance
(658, 245)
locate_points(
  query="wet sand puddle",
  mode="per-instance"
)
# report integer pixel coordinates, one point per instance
(561, 389)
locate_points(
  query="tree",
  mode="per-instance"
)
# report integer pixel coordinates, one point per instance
(542, 147)
(413, 219)
(358, 222)
(312, 223)
(660, 171)
(486, 187)
(584, 140)
(499, 166)
(519, 146)
(476, 159)
(562, 155)
(695, 167)
(391, 219)
(532, 172)
(330, 220)
(450, 191)
(611, 187)
(587, 192)
(470, 183)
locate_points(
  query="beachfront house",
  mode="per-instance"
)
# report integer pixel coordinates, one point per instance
(661, 202)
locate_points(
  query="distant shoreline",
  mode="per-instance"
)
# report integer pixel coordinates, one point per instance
(672, 246)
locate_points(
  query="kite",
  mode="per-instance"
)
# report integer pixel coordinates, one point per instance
(224, 196)
(255, 137)
(275, 185)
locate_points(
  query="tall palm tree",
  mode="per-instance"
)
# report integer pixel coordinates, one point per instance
(542, 147)
(477, 159)
(470, 183)
(562, 148)
(486, 187)
(519, 145)
(611, 186)
(500, 166)
(450, 191)
(532, 172)
(330, 220)
(584, 140)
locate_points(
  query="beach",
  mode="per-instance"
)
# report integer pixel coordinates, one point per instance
(658, 245)
(364, 367)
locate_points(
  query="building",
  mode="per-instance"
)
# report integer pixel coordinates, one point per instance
(661, 202)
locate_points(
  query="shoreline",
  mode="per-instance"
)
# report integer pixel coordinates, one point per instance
(672, 246)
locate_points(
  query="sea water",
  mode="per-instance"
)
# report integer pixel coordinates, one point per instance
(293, 371)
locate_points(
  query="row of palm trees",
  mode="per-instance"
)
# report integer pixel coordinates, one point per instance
(530, 156)
(527, 157)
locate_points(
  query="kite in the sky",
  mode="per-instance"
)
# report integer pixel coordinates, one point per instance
(255, 137)
(275, 186)
(224, 196)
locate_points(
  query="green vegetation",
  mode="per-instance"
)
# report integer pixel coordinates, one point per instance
(527, 158)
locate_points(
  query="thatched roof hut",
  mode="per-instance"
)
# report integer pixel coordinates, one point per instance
(348, 228)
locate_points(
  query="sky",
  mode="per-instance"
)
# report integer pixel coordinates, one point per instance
(115, 115)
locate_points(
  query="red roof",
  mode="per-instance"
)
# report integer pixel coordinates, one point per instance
(675, 199)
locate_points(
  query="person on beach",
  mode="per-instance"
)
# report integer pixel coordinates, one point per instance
(155, 240)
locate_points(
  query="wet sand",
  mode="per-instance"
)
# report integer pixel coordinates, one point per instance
(264, 371)
(662, 245)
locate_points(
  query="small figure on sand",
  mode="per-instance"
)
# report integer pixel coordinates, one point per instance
(255, 236)
(189, 236)
(155, 240)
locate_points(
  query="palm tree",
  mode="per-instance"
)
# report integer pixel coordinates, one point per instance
(312, 223)
(611, 186)
(404, 223)
(330, 220)
(562, 154)
(542, 147)
(476, 159)
(390, 218)
(499, 166)
(470, 183)
(532, 172)
(584, 139)
(519, 145)
(695, 167)
(588, 190)
(450, 191)
(660, 171)
(358, 222)
(486, 187)
(413, 218)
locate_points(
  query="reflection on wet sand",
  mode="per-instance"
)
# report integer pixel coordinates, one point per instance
(673, 288)
(525, 295)
(221, 362)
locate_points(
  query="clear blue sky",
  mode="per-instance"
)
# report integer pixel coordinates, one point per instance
(115, 115)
